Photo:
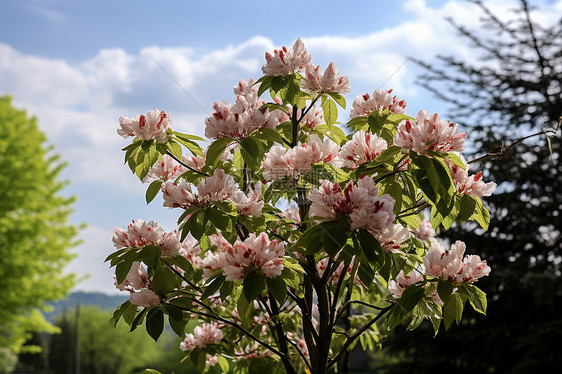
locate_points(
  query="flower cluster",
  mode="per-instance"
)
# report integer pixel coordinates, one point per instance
(429, 133)
(360, 202)
(281, 162)
(362, 148)
(469, 184)
(257, 252)
(286, 62)
(140, 234)
(403, 281)
(425, 231)
(139, 285)
(330, 81)
(164, 170)
(363, 105)
(238, 120)
(451, 266)
(218, 187)
(392, 237)
(153, 125)
(207, 333)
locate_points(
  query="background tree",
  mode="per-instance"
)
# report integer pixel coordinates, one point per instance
(34, 233)
(513, 90)
(105, 350)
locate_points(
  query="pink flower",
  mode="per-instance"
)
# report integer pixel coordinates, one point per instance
(451, 266)
(250, 204)
(359, 202)
(218, 187)
(243, 117)
(330, 81)
(281, 162)
(401, 282)
(139, 285)
(207, 333)
(425, 232)
(170, 244)
(392, 237)
(429, 133)
(292, 213)
(153, 125)
(178, 195)
(138, 234)
(469, 184)
(286, 62)
(362, 148)
(256, 252)
(136, 279)
(190, 250)
(211, 361)
(164, 170)
(195, 162)
(363, 105)
(145, 298)
(238, 120)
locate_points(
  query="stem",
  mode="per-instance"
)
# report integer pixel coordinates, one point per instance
(353, 337)
(182, 277)
(184, 164)
(236, 326)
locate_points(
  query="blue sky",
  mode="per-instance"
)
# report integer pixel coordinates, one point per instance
(79, 65)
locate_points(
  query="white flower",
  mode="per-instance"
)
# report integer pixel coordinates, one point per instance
(286, 62)
(153, 125)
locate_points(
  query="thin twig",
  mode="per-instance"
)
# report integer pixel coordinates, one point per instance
(185, 165)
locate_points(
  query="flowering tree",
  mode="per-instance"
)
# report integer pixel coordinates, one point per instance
(295, 241)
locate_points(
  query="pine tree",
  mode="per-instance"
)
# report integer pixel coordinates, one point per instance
(513, 91)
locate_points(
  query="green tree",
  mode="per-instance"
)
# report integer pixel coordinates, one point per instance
(34, 233)
(107, 350)
(514, 90)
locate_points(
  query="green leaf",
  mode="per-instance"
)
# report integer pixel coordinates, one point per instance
(213, 287)
(456, 160)
(254, 283)
(175, 149)
(245, 309)
(277, 287)
(358, 123)
(155, 323)
(152, 371)
(218, 218)
(139, 319)
(477, 298)
(366, 274)
(226, 290)
(251, 152)
(330, 111)
(452, 310)
(265, 84)
(153, 190)
(122, 270)
(312, 240)
(371, 248)
(216, 150)
(334, 238)
(164, 280)
(337, 98)
(467, 207)
(444, 290)
(269, 134)
(411, 296)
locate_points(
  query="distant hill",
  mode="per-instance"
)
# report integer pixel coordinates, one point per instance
(104, 301)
